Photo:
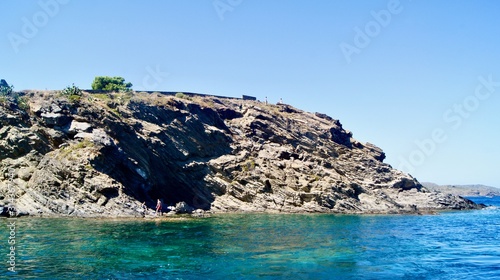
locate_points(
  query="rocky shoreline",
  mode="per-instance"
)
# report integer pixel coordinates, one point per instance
(103, 155)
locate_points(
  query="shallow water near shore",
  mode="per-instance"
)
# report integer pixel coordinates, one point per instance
(451, 245)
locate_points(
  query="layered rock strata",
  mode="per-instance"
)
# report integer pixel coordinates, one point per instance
(105, 154)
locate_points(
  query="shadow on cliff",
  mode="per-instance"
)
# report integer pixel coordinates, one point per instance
(161, 152)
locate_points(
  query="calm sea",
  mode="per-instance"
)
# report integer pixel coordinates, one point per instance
(451, 245)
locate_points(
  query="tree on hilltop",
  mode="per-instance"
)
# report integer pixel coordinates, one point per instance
(110, 84)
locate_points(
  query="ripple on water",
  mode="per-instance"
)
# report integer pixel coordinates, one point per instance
(452, 245)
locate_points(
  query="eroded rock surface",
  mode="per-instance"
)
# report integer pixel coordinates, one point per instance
(103, 155)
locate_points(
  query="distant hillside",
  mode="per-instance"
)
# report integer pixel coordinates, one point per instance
(464, 190)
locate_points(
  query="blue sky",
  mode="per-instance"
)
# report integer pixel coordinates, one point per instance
(417, 78)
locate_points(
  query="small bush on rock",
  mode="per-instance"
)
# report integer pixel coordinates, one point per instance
(5, 88)
(73, 93)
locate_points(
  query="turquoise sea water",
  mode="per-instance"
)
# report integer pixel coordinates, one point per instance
(451, 245)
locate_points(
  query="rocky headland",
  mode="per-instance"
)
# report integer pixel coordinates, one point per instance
(463, 190)
(104, 154)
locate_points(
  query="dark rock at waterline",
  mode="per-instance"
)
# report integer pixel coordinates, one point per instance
(183, 208)
(9, 212)
(4, 211)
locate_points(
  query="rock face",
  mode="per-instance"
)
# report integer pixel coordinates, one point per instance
(105, 154)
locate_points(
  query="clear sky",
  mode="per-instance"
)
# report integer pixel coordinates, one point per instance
(420, 79)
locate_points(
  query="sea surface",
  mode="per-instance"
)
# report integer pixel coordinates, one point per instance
(450, 245)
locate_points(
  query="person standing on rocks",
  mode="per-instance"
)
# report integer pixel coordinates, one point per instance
(158, 207)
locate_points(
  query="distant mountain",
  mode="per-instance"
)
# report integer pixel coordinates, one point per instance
(464, 190)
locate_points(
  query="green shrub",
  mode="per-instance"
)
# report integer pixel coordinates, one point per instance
(74, 98)
(7, 95)
(5, 88)
(106, 83)
(23, 103)
(181, 95)
(73, 93)
(71, 90)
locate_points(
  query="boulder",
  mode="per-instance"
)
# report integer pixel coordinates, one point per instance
(98, 136)
(55, 119)
(375, 151)
(183, 208)
(77, 126)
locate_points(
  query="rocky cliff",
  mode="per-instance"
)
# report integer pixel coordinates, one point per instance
(105, 154)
